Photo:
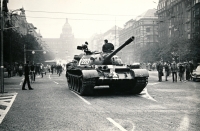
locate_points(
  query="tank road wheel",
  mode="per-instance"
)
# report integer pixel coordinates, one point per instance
(82, 88)
(85, 89)
(69, 82)
(77, 84)
(73, 81)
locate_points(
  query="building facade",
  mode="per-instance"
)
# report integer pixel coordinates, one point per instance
(195, 19)
(144, 29)
(178, 22)
(174, 20)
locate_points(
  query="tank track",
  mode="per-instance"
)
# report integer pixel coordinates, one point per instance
(80, 85)
(140, 84)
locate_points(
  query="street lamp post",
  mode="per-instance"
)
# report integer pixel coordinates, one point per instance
(29, 30)
(2, 68)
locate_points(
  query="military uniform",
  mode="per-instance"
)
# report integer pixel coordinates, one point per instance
(108, 47)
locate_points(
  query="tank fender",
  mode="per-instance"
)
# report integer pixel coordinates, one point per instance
(90, 74)
(140, 73)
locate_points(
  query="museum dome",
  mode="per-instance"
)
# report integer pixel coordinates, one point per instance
(67, 27)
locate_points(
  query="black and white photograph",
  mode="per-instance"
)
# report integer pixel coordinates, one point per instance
(99, 65)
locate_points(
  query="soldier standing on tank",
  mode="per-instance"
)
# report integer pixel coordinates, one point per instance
(107, 47)
(85, 47)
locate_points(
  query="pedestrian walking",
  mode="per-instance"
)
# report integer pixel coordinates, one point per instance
(42, 70)
(48, 68)
(9, 71)
(26, 79)
(187, 70)
(20, 70)
(52, 69)
(60, 69)
(174, 69)
(160, 71)
(181, 71)
(191, 68)
(33, 70)
(166, 66)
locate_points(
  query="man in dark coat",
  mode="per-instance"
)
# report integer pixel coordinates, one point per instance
(26, 79)
(160, 71)
(9, 71)
(107, 47)
(174, 69)
(191, 68)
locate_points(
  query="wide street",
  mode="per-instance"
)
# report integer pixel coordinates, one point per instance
(51, 106)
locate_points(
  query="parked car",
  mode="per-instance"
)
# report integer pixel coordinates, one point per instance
(196, 74)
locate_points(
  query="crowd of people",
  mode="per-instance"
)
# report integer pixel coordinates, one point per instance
(179, 71)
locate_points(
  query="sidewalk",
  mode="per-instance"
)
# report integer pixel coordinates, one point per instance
(11, 87)
(12, 83)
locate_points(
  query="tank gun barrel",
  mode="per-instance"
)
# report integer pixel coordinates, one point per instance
(118, 49)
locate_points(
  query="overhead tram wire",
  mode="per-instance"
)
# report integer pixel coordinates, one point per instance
(96, 14)
(69, 18)
(157, 21)
(76, 13)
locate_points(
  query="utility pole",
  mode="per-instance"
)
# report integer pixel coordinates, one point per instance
(2, 67)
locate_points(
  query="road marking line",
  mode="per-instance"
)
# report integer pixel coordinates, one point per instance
(116, 124)
(20, 83)
(56, 82)
(82, 98)
(49, 76)
(8, 105)
(153, 83)
(146, 95)
(184, 125)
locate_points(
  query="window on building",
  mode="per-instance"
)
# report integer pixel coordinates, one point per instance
(148, 29)
(197, 23)
(197, 11)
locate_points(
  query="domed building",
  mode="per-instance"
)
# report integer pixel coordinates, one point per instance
(62, 47)
(66, 31)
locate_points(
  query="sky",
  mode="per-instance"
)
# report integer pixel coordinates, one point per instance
(86, 17)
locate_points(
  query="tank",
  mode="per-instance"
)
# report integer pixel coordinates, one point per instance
(99, 69)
